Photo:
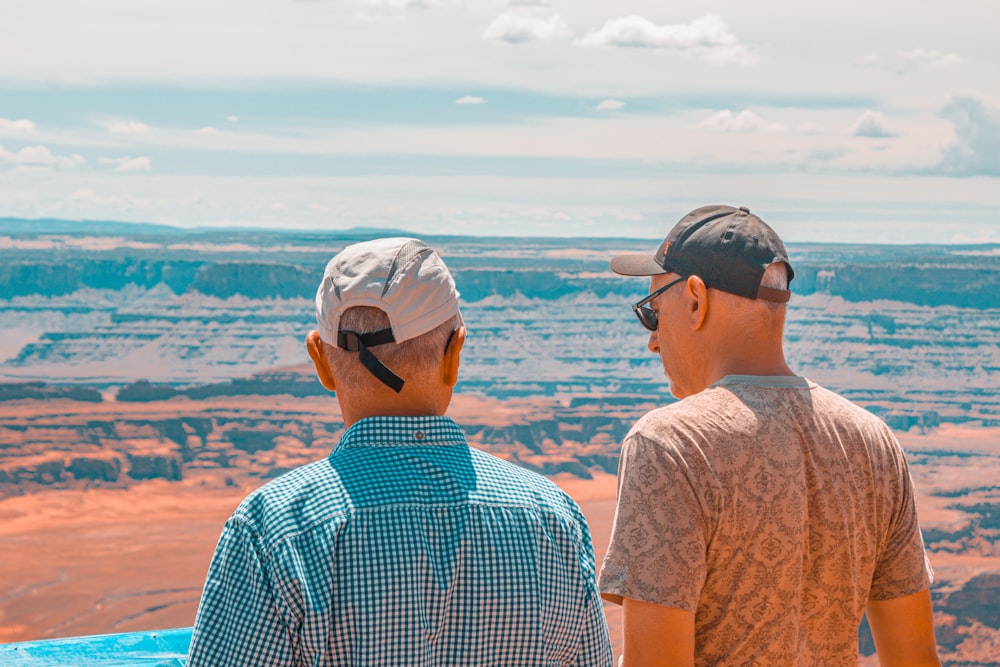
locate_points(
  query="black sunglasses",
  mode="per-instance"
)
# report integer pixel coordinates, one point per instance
(645, 314)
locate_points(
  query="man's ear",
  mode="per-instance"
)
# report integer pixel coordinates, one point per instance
(697, 292)
(314, 344)
(452, 353)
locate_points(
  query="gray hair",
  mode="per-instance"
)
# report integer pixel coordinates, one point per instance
(408, 359)
(775, 276)
(758, 312)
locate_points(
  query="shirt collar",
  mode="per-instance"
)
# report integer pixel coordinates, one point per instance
(402, 432)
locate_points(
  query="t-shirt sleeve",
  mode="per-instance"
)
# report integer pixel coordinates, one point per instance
(903, 567)
(239, 621)
(658, 543)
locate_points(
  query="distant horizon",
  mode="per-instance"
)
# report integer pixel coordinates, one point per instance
(89, 226)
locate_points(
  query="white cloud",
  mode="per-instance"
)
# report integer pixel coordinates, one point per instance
(232, 119)
(871, 124)
(929, 58)
(706, 38)
(129, 127)
(128, 163)
(407, 4)
(136, 164)
(470, 99)
(22, 126)
(910, 61)
(516, 27)
(88, 196)
(745, 121)
(870, 60)
(825, 153)
(808, 128)
(977, 131)
(206, 131)
(610, 105)
(40, 156)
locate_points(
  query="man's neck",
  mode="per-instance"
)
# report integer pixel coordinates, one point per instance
(353, 412)
(763, 367)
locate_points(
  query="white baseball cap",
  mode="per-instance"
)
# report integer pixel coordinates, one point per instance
(403, 277)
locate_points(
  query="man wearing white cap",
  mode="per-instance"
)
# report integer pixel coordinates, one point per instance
(405, 546)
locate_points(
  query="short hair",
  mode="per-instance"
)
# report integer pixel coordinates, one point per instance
(408, 359)
(775, 276)
(761, 312)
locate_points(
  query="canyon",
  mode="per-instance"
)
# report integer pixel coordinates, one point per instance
(150, 377)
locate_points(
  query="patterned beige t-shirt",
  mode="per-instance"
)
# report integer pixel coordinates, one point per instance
(774, 510)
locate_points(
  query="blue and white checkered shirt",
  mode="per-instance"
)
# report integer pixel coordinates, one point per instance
(404, 547)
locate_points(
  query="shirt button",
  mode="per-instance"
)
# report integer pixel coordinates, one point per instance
(419, 435)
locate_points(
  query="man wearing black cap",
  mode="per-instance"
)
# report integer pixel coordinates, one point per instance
(761, 515)
(404, 546)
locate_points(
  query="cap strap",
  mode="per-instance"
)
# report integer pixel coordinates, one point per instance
(355, 342)
(771, 294)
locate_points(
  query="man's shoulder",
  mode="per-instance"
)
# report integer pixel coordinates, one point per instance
(737, 404)
(832, 408)
(711, 409)
(303, 479)
(506, 482)
(292, 501)
(833, 401)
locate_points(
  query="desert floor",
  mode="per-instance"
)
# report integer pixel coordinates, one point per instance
(95, 561)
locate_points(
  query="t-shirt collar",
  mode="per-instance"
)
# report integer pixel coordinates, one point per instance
(788, 381)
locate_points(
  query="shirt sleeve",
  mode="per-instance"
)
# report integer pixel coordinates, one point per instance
(659, 539)
(902, 568)
(595, 641)
(240, 620)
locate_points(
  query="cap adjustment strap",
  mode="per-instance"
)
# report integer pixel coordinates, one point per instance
(355, 342)
(776, 295)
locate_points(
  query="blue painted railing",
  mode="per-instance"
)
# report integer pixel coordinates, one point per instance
(159, 648)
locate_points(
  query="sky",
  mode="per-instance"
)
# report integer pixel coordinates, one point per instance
(835, 122)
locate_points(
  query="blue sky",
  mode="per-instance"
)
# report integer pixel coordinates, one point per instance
(856, 121)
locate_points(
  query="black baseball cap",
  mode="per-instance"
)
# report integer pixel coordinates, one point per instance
(729, 248)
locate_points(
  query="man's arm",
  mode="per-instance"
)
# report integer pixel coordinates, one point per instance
(660, 518)
(657, 636)
(239, 621)
(903, 629)
(595, 642)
